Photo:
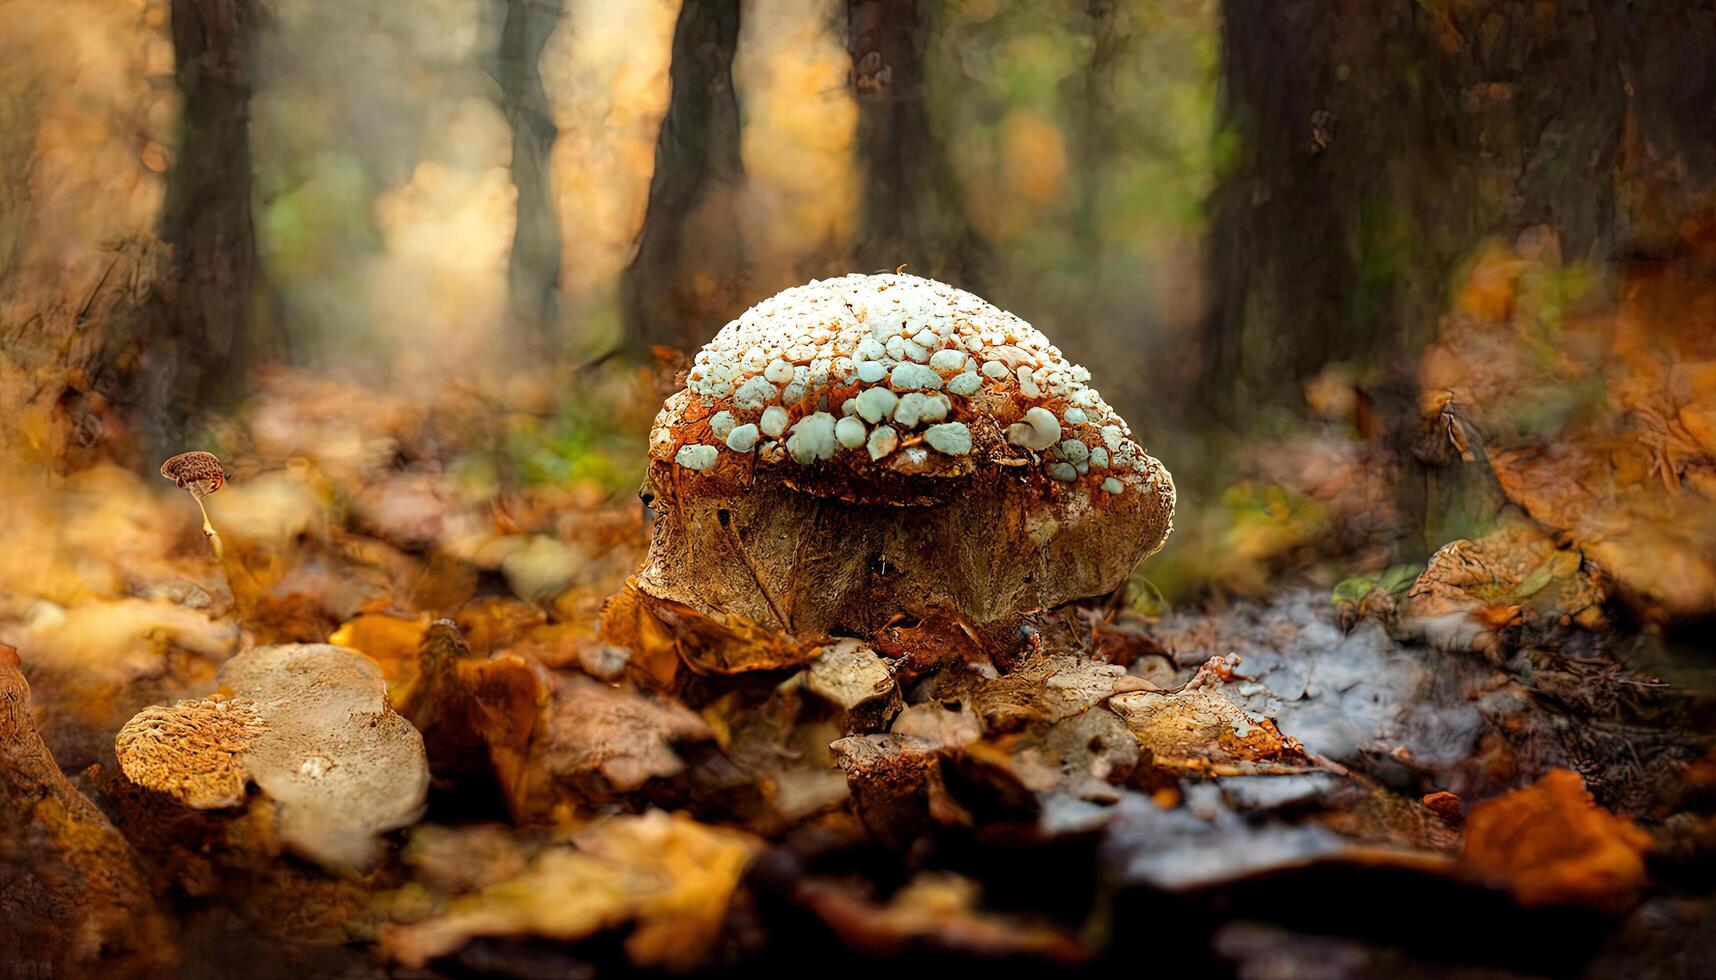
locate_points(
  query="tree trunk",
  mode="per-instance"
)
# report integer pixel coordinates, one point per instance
(688, 276)
(533, 269)
(912, 211)
(1082, 324)
(1379, 145)
(207, 340)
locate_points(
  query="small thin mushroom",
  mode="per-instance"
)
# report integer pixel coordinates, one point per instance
(202, 474)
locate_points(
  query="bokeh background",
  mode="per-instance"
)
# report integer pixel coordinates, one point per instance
(1415, 298)
(1316, 251)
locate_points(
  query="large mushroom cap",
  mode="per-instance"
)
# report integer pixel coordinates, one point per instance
(865, 446)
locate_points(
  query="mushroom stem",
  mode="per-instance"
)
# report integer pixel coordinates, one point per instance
(208, 528)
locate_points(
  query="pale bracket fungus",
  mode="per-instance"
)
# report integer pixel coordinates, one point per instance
(861, 447)
(311, 726)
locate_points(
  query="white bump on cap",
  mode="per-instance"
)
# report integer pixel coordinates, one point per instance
(849, 432)
(1039, 430)
(721, 424)
(812, 438)
(778, 371)
(952, 438)
(774, 421)
(1028, 384)
(1111, 485)
(754, 394)
(876, 404)
(965, 385)
(696, 457)
(906, 412)
(882, 441)
(871, 372)
(996, 370)
(946, 362)
(743, 438)
(913, 377)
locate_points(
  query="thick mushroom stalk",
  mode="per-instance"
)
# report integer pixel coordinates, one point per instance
(200, 473)
(862, 449)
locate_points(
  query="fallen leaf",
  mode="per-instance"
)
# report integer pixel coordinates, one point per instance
(1552, 844)
(670, 877)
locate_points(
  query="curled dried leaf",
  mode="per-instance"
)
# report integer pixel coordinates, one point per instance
(672, 879)
(1198, 729)
(937, 910)
(1514, 576)
(1552, 844)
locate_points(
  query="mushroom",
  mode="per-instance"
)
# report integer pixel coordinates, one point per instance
(310, 725)
(939, 456)
(201, 473)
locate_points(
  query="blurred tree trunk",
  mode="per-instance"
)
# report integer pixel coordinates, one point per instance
(687, 279)
(198, 358)
(1309, 244)
(1380, 143)
(533, 268)
(1094, 150)
(912, 211)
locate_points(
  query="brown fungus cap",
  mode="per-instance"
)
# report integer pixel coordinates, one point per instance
(868, 446)
(310, 725)
(197, 471)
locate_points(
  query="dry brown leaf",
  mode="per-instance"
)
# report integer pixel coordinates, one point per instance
(492, 623)
(896, 785)
(935, 909)
(391, 641)
(1597, 424)
(1552, 844)
(670, 877)
(558, 741)
(1512, 576)
(1199, 730)
(668, 639)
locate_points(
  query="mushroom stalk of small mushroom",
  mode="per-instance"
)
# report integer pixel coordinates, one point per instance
(863, 445)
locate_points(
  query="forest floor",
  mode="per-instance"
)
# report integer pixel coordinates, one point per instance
(1496, 764)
